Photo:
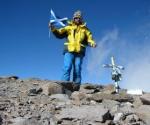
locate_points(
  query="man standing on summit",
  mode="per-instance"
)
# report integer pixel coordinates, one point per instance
(78, 37)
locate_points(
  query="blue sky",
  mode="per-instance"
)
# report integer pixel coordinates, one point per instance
(120, 28)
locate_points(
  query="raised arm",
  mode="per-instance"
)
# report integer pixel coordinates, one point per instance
(59, 33)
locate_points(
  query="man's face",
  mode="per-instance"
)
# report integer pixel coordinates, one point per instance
(77, 20)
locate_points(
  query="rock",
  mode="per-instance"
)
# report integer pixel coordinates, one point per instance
(60, 101)
(145, 99)
(52, 88)
(78, 95)
(132, 118)
(144, 113)
(120, 98)
(89, 113)
(87, 91)
(126, 108)
(31, 121)
(93, 102)
(60, 97)
(137, 102)
(52, 122)
(18, 121)
(109, 89)
(90, 88)
(13, 77)
(63, 103)
(118, 117)
(35, 91)
(1, 120)
(110, 103)
(80, 98)
(127, 119)
(4, 104)
(10, 77)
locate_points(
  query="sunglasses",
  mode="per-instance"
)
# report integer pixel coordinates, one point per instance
(77, 18)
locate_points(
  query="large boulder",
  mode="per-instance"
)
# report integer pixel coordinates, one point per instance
(52, 88)
(90, 88)
(60, 101)
(145, 99)
(95, 113)
(79, 98)
(109, 89)
(117, 97)
(137, 101)
(144, 113)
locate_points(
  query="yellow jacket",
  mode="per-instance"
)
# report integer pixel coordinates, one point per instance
(78, 36)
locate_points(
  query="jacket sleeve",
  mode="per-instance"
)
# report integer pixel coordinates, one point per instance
(89, 38)
(60, 33)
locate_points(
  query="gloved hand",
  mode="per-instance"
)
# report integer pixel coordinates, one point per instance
(93, 45)
(50, 26)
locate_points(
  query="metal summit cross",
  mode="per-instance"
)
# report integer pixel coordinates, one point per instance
(116, 73)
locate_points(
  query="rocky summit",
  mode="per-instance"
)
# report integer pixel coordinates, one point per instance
(44, 102)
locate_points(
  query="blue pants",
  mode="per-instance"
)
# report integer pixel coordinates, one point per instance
(72, 60)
